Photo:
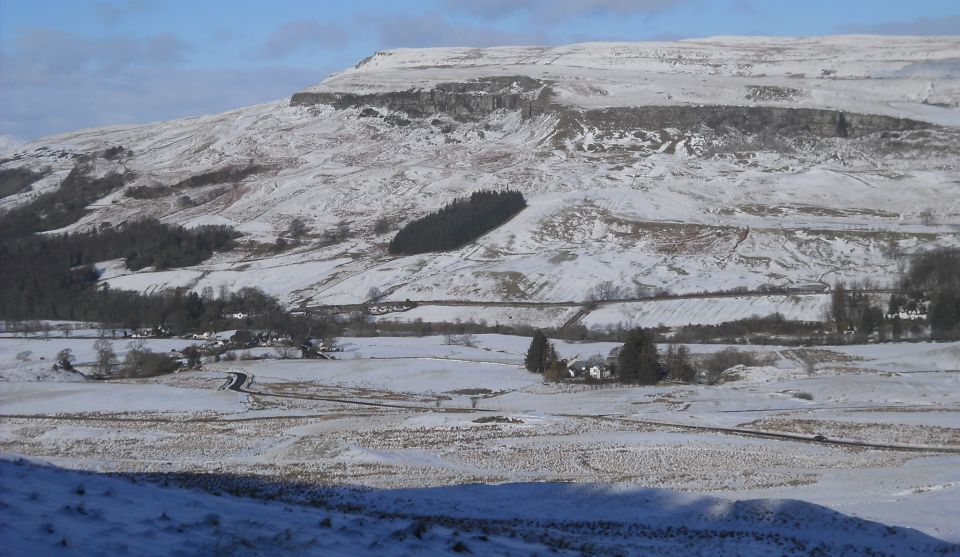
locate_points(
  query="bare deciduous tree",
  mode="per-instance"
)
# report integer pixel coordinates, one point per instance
(106, 357)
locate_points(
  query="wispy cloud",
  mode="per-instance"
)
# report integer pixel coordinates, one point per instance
(435, 30)
(44, 54)
(112, 12)
(53, 81)
(141, 95)
(299, 35)
(560, 9)
(949, 25)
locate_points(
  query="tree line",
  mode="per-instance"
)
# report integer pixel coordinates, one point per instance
(934, 278)
(53, 277)
(62, 206)
(460, 222)
(16, 180)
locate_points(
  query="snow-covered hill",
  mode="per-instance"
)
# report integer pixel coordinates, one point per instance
(691, 166)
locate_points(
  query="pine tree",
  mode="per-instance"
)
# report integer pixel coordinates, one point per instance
(944, 314)
(537, 353)
(637, 362)
(838, 306)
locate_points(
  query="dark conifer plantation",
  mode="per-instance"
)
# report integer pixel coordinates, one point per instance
(460, 222)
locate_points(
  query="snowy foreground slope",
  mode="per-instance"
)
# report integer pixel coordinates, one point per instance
(50, 511)
(693, 166)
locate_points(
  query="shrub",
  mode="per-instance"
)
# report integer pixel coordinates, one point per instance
(713, 365)
(142, 362)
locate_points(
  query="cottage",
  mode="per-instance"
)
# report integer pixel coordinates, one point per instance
(593, 368)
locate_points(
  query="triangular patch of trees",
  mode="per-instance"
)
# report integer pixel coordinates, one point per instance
(460, 222)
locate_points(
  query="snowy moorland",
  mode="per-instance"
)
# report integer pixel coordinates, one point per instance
(387, 436)
(688, 167)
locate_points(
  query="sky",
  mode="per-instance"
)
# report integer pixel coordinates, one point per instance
(71, 64)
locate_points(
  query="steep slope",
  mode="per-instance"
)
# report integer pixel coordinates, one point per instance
(693, 166)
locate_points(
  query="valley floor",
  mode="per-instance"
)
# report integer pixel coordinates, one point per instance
(398, 426)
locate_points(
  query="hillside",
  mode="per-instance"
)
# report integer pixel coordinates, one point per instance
(691, 166)
(66, 512)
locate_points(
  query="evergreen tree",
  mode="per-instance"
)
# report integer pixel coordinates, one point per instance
(537, 353)
(944, 315)
(637, 362)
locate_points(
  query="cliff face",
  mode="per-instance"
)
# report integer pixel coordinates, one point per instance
(469, 101)
(475, 100)
(748, 120)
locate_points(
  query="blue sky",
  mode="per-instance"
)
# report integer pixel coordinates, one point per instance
(68, 64)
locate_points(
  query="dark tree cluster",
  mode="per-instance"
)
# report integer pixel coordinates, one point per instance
(110, 153)
(223, 175)
(16, 180)
(854, 310)
(637, 361)
(52, 277)
(542, 358)
(934, 276)
(149, 192)
(460, 222)
(933, 270)
(226, 174)
(756, 329)
(58, 208)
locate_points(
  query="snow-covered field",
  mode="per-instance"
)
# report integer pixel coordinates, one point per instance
(708, 311)
(413, 418)
(491, 315)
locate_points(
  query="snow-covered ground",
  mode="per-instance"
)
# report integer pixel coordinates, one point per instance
(50, 511)
(421, 415)
(878, 75)
(708, 311)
